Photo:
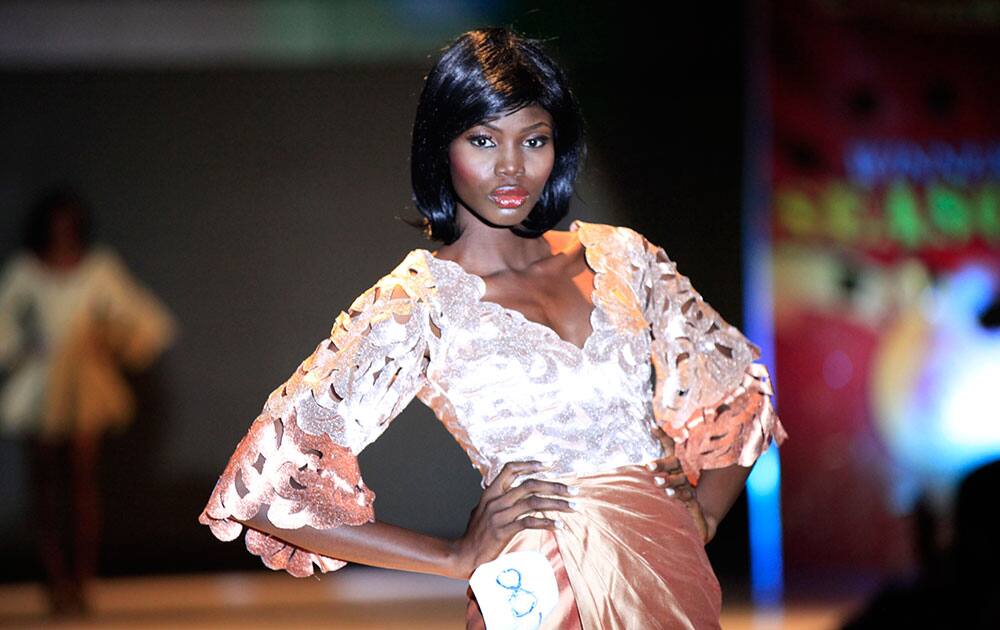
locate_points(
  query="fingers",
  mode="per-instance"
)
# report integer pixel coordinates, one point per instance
(676, 486)
(505, 509)
(541, 486)
(534, 494)
(503, 482)
(669, 465)
(509, 509)
(510, 473)
(517, 507)
(669, 475)
(529, 522)
(534, 503)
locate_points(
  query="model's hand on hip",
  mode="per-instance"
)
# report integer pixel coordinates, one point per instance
(668, 474)
(504, 510)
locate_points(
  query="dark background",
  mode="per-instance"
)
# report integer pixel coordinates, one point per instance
(258, 199)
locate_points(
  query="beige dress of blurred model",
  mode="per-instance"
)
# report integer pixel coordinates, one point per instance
(65, 336)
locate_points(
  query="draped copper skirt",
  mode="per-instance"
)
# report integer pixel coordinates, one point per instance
(628, 557)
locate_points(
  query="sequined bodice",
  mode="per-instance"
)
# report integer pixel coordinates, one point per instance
(508, 388)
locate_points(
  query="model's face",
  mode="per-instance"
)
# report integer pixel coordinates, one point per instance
(499, 168)
(64, 230)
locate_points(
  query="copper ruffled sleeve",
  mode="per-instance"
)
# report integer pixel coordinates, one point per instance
(709, 396)
(300, 455)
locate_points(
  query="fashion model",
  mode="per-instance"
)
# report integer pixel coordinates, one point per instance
(72, 318)
(613, 414)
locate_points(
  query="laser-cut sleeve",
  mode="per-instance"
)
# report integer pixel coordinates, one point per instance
(709, 394)
(300, 454)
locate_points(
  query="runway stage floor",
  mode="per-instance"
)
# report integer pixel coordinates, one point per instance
(356, 598)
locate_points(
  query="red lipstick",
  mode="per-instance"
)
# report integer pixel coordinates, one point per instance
(509, 196)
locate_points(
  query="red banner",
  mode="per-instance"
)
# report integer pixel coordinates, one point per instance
(886, 234)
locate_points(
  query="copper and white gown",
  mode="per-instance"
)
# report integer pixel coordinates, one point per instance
(509, 389)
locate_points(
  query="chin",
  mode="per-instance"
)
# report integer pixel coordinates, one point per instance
(505, 220)
(499, 217)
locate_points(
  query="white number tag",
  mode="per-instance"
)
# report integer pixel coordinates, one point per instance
(516, 591)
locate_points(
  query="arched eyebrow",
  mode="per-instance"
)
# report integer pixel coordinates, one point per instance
(528, 128)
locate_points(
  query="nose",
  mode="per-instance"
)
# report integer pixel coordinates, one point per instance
(510, 162)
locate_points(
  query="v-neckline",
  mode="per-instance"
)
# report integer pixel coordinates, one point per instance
(519, 316)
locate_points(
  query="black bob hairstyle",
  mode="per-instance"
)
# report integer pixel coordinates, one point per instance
(484, 74)
(43, 211)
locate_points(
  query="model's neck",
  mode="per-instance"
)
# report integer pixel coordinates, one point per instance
(484, 249)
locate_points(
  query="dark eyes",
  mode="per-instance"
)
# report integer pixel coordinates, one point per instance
(483, 141)
(480, 141)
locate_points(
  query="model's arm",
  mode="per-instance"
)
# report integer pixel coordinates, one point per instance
(717, 490)
(294, 478)
(709, 503)
(709, 395)
(375, 544)
(502, 512)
